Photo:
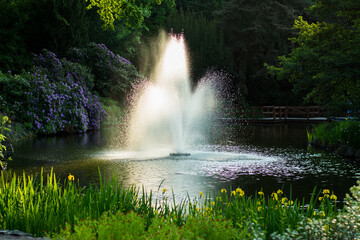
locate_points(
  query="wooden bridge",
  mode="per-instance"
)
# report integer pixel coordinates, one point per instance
(276, 114)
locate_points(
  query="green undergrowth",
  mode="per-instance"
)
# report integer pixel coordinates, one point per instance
(114, 110)
(337, 133)
(43, 205)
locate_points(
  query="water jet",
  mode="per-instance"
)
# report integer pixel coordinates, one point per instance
(166, 111)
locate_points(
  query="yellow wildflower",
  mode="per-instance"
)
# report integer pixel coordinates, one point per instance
(223, 190)
(164, 190)
(284, 200)
(71, 177)
(259, 208)
(261, 193)
(333, 197)
(201, 194)
(279, 192)
(240, 192)
(326, 191)
(322, 214)
(274, 196)
(321, 198)
(212, 203)
(233, 193)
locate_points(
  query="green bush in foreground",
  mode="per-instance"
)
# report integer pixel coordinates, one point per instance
(337, 133)
(44, 207)
(133, 226)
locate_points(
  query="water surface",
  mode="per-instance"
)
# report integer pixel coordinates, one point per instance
(257, 157)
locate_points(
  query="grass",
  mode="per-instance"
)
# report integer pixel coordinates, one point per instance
(337, 133)
(41, 205)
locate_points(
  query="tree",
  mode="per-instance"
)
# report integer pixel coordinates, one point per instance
(257, 32)
(132, 13)
(324, 65)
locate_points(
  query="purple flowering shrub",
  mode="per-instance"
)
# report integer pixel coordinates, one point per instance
(59, 99)
(113, 74)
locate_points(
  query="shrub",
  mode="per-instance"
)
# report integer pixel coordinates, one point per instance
(59, 97)
(4, 120)
(337, 133)
(12, 97)
(113, 74)
(133, 226)
(345, 225)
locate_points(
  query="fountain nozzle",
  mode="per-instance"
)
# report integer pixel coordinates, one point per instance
(179, 154)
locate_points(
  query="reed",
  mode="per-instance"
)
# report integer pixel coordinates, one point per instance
(42, 205)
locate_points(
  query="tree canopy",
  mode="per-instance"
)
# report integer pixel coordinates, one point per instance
(324, 65)
(132, 13)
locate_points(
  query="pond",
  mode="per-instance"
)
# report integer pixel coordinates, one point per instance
(252, 157)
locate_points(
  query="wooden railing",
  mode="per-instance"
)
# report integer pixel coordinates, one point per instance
(277, 112)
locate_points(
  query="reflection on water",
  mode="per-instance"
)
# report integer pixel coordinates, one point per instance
(250, 157)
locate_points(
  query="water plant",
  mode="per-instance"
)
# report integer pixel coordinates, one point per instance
(337, 133)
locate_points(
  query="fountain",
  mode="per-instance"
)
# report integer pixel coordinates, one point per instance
(165, 112)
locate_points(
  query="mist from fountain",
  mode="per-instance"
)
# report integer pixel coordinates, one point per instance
(165, 112)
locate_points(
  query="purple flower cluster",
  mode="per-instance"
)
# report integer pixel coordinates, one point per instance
(113, 73)
(59, 99)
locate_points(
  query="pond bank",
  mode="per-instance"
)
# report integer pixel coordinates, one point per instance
(340, 137)
(15, 132)
(339, 149)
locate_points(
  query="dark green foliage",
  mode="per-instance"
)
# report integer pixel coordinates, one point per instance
(12, 95)
(324, 66)
(113, 74)
(12, 44)
(257, 32)
(337, 133)
(204, 7)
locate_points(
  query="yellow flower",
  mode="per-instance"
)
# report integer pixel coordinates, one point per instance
(164, 190)
(326, 191)
(259, 208)
(291, 202)
(322, 214)
(333, 197)
(274, 196)
(261, 193)
(223, 190)
(279, 192)
(314, 213)
(233, 193)
(71, 177)
(326, 195)
(284, 200)
(212, 203)
(321, 198)
(201, 194)
(240, 192)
